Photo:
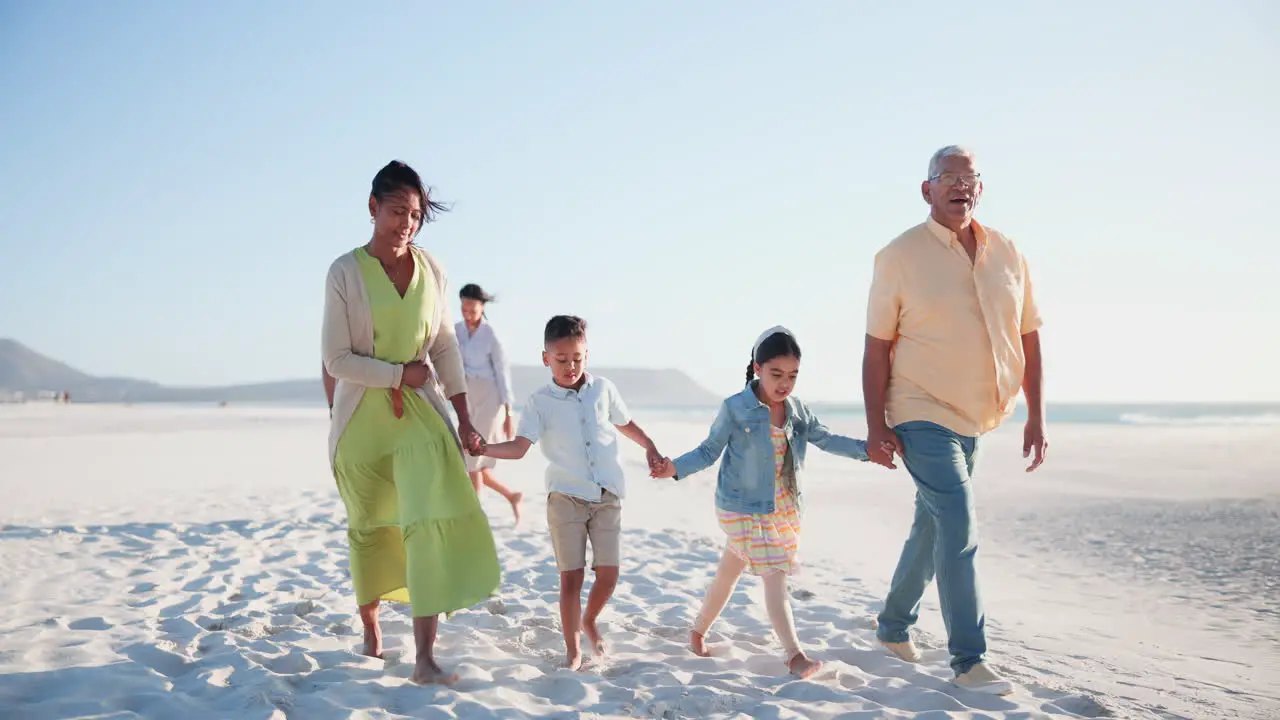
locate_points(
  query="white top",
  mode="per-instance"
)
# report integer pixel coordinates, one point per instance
(577, 433)
(483, 357)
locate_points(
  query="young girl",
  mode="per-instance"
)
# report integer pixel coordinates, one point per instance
(766, 432)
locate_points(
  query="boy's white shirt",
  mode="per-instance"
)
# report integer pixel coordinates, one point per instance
(576, 431)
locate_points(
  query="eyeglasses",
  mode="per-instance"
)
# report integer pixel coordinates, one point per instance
(952, 179)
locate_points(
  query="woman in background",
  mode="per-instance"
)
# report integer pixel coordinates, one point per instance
(488, 388)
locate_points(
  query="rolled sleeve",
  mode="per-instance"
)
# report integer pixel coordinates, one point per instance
(1031, 320)
(501, 370)
(884, 305)
(530, 427)
(618, 414)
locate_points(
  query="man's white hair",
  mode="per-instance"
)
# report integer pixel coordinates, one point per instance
(935, 162)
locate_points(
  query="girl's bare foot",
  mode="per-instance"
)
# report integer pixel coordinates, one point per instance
(426, 672)
(516, 499)
(802, 667)
(698, 644)
(574, 660)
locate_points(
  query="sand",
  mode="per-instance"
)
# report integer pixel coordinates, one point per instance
(171, 562)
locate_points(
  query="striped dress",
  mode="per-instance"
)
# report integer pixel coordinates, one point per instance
(769, 542)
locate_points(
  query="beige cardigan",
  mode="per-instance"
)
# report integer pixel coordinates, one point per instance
(346, 340)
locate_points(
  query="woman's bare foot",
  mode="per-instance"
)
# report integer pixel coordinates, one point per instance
(426, 672)
(516, 499)
(372, 641)
(698, 644)
(574, 660)
(802, 667)
(372, 630)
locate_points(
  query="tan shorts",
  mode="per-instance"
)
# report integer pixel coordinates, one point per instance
(573, 521)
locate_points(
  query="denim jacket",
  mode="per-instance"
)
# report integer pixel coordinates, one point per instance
(747, 472)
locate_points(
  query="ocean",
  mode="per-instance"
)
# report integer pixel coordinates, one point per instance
(1171, 414)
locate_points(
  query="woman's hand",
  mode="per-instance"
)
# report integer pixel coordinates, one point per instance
(415, 375)
(509, 427)
(471, 440)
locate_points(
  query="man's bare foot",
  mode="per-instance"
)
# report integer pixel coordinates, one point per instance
(698, 644)
(516, 499)
(574, 660)
(593, 636)
(426, 672)
(372, 641)
(802, 667)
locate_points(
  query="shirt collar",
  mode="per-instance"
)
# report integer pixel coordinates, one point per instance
(946, 237)
(749, 400)
(564, 392)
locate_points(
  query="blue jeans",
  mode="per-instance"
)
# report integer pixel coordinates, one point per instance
(944, 539)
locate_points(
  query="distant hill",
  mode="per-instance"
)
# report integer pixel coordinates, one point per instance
(27, 373)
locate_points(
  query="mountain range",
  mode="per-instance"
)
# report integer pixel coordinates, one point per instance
(25, 373)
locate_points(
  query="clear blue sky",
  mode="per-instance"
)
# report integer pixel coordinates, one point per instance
(176, 177)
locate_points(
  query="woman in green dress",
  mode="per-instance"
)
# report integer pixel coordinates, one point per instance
(416, 531)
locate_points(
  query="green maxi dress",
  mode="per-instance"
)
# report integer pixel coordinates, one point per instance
(416, 529)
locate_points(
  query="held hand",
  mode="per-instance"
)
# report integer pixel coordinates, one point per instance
(882, 445)
(415, 375)
(479, 450)
(471, 439)
(509, 428)
(654, 458)
(1033, 439)
(664, 469)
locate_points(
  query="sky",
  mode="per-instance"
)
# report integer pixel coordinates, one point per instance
(176, 178)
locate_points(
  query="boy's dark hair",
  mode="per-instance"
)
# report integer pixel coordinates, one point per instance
(777, 345)
(562, 327)
(396, 176)
(472, 291)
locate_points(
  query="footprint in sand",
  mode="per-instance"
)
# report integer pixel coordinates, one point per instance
(93, 623)
(169, 664)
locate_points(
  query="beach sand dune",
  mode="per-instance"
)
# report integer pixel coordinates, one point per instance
(180, 563)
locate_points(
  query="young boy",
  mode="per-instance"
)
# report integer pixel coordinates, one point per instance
(575, 418)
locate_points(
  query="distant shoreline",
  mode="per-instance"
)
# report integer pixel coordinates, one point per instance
(1172, 414)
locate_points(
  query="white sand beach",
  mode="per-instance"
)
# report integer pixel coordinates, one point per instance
(187, 562)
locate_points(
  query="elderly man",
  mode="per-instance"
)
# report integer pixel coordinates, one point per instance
(952, 333)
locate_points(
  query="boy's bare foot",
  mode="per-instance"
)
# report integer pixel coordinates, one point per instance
(698, 644)
(426, 672)
(802, 667)
(593, 636)
(574, 660)
(372, 642)
(516, 500)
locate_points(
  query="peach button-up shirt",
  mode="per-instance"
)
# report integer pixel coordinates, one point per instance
(956, 326)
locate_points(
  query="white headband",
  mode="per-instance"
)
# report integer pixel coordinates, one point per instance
(766, 335)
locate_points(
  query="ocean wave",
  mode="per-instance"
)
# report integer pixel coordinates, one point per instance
(1252, 419)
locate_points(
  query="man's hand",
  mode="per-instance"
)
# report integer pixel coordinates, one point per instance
(415, 375)
(653, 457)
(882, 443)
(664, 468)
(1033, 439)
